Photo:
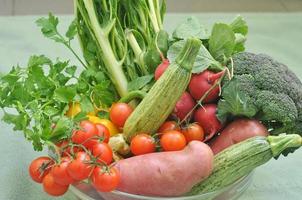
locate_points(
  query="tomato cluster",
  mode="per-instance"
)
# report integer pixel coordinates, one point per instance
(85, 155)
(171, 138)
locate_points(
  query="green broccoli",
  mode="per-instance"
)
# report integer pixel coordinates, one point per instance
(264, 89)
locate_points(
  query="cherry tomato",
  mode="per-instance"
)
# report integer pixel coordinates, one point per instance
(60, 174)
(103, 153)
(168, 126)
(52, 188)
(66, 149)
(86, 134)
(119, 113)
(142, 144)
(111, 127)
(193, 132)
(103, 132)
(173, 141)
(105, 181)
(39, 168)
(79, 169)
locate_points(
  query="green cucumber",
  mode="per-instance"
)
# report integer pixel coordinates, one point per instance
(240, 159)
(160, 101)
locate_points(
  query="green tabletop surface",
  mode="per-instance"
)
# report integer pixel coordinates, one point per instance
(276, 34)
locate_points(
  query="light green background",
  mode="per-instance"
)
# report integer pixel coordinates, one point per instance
(279, 35)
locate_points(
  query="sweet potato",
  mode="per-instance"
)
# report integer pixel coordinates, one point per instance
(237, 131)
(167, 174)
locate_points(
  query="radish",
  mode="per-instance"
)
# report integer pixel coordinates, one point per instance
(161, 68)
(201, 83)
(184, 105)
(206, 117)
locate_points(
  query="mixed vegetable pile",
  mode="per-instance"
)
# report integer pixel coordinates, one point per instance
(185, 114)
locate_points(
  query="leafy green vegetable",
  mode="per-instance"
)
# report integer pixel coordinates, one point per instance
(222, 42)
(239, 25)
(203, 60)
(235, 102)
(191, 28)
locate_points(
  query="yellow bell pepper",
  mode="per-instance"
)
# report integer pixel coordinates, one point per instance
(75, 108)
(111, 127)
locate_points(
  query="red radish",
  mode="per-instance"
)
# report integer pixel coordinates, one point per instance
(161, 68)
(237, 131)
(206, 117)
(201, 83)
(184, 105)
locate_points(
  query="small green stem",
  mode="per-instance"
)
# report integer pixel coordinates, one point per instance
(74, 53)
(159, 19)
(133, 95)
(284, 141)
(56, 149)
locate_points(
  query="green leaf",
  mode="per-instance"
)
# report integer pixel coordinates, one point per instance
(49, 28)
(163, 41)
(19, 121)
(86, 105)
(65, 94)
(191, 28)
(51, 111)
(72, 30)
(38, 61)
(139, 82)
(203, 60)
(152, 59)
(222, 42)
(239, 25)
(71, 70)
(234, 102)
(63, 127)
(102, 96)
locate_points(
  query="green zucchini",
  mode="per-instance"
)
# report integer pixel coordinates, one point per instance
(240, 159)
(158, 104)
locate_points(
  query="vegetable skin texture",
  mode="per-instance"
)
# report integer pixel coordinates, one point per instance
(201, 83)
(161, 69)
(183, 106)
(238, 131)
(240, 159)
(206, 117)
(271, 91)
(155, 108)
(166, 173)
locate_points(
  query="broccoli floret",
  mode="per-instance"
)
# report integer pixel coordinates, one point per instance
(267, 86)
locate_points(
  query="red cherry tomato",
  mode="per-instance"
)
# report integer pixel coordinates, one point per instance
(60, 174)
(173, 141)
(105, 181)
(86, 134)
(103, 153)
(103, 133)
(142, 144)
(39, 168)
(168, 126)
(52, 188)
(119, 113)
(79, 169)
(193, 132)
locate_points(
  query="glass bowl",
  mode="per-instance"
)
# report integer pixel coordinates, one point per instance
(85, 191)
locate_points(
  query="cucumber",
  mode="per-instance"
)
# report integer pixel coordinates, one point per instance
(240, 159)
(158, 104)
